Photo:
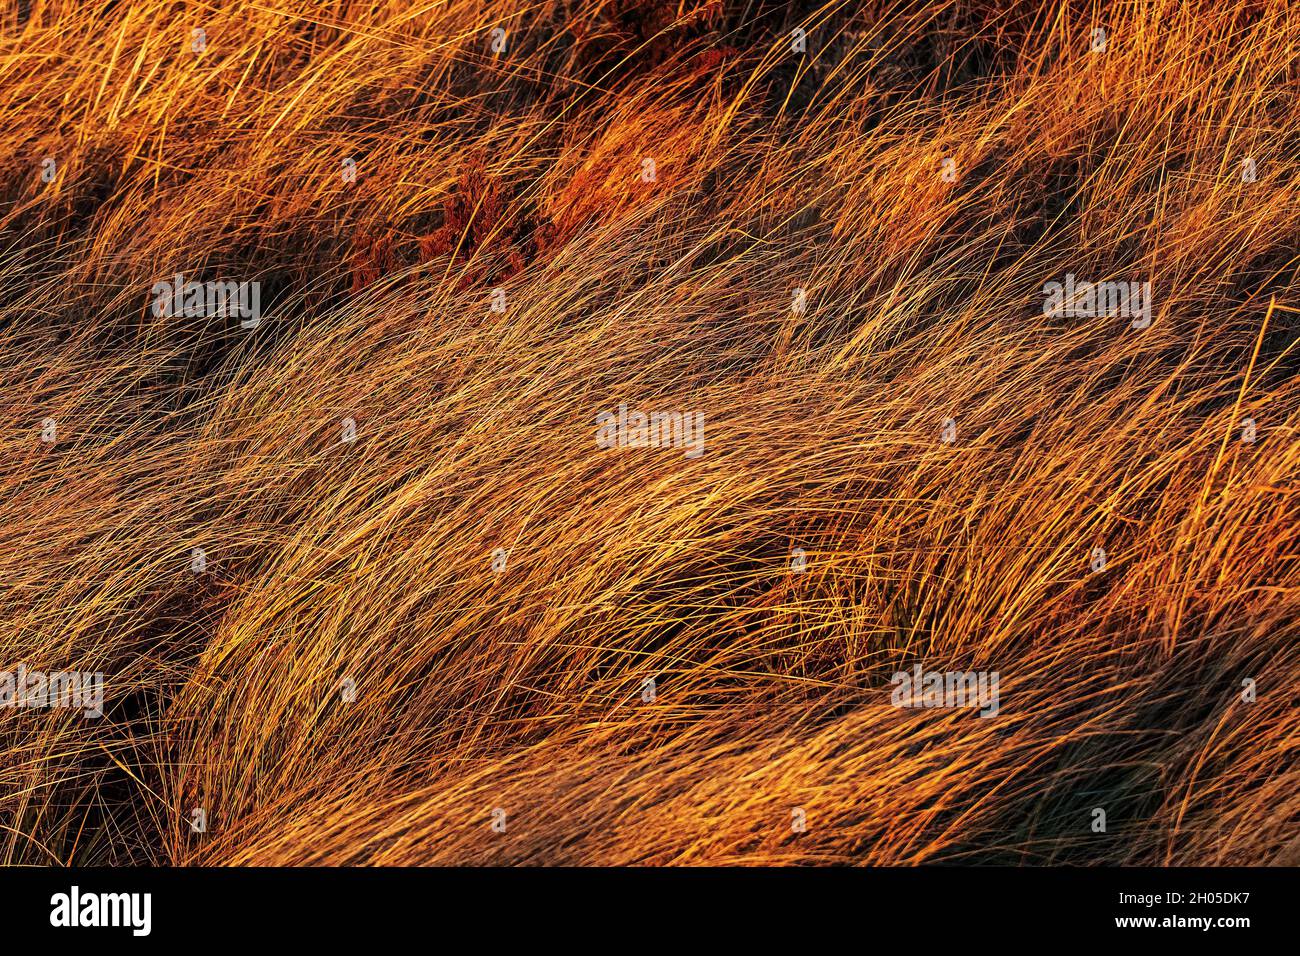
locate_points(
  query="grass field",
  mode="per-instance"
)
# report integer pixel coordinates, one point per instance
(379, 567)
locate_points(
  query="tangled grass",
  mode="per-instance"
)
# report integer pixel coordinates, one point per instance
(349, 680)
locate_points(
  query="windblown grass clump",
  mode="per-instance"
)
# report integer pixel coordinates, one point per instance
(359, 576)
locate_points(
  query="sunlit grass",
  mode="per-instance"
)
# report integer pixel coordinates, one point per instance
(523, 170)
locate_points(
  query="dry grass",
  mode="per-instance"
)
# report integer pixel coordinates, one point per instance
(774, 170)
